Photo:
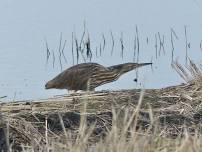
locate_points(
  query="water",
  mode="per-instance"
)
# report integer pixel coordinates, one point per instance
(24, 26)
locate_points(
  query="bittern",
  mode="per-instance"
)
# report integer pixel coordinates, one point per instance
(88, 76)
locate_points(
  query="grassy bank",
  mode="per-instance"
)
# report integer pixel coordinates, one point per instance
(167, 119)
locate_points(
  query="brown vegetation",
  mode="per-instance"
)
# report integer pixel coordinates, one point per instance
(167, 119)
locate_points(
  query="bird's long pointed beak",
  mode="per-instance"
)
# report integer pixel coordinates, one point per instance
(143, 64)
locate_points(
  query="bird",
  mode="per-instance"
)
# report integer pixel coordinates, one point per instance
(88, 76)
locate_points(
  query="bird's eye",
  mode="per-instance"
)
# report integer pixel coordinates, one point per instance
(135, 80)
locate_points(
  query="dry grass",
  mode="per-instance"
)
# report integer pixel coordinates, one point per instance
(167, 119)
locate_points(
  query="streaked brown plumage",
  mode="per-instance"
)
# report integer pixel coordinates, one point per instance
(88, 76)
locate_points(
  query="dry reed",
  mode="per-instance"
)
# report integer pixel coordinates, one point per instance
(167, 119)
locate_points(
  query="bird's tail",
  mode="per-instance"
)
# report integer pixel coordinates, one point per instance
(126, 67)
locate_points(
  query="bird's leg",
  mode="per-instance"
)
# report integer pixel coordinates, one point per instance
(75, 91)
(71, 91)
(80, 91)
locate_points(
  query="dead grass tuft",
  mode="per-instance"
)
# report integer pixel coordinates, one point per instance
(167, 119)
